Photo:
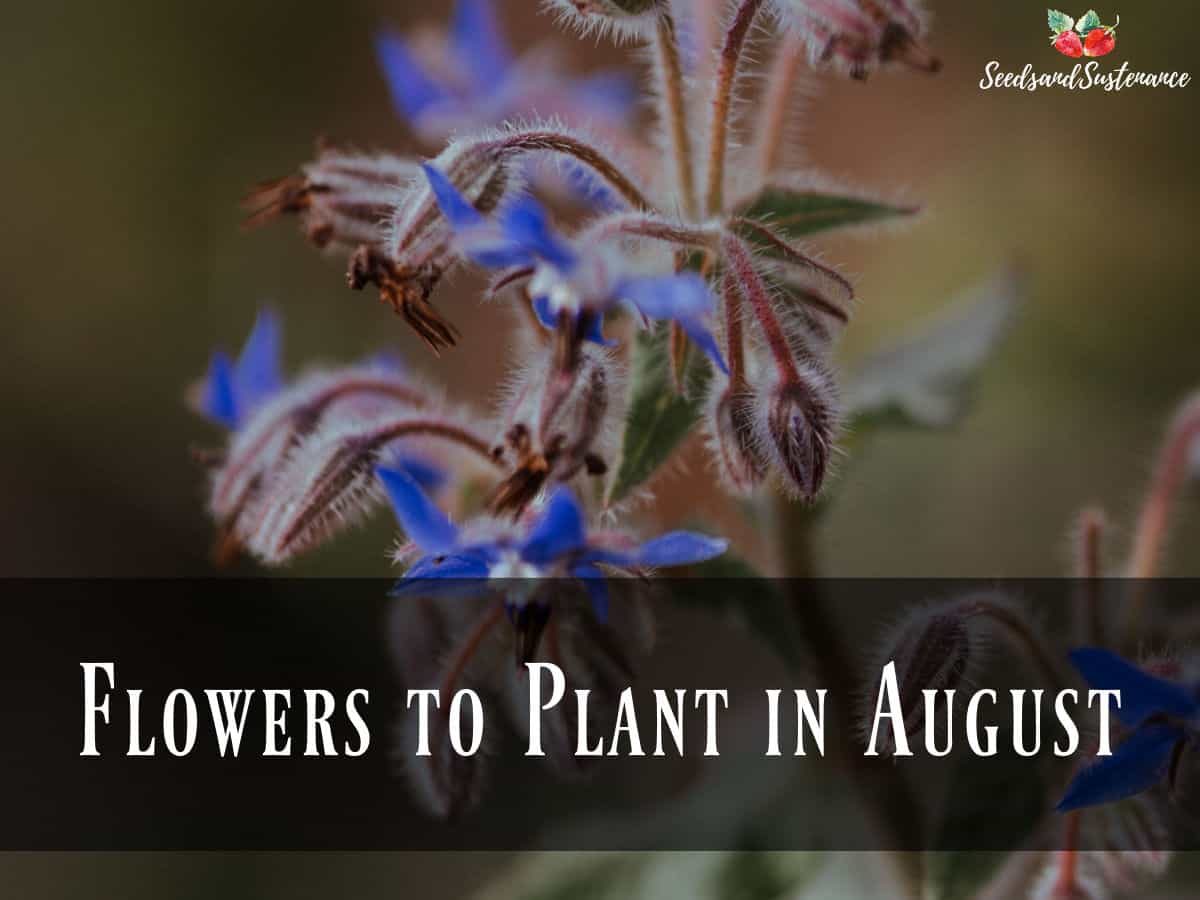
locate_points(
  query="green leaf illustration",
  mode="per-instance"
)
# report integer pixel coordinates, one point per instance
(1059, 22)
(923, 381)
(659, 418)
(1089, 22)
(804, 210)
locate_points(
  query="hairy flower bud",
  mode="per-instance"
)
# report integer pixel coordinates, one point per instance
(858, 35)
(933, 648)
(261, 447)
(343, 199)
(735, 444)
(623, 19)
(417, 249)
(328, 482)
(798, 425)
(559, 422)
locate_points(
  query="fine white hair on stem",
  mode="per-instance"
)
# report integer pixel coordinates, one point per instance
(621, 21)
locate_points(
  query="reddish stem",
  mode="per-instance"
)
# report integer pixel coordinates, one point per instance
(727, 71)
(753, 288)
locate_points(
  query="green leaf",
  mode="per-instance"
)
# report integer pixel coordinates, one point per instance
(659, 418)
(1059, 22)
(923, 381)
(803, 210)
(1089, 22)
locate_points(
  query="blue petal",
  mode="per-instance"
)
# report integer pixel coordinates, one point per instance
(478, 43)
(1138, 764)
(258, 369)
(682, 296)
(544, 312)
(525, 222)
(413, 90)
(595, 333)
(423, 523)
(1142, 695)
(703, 338)
(596, 583)
(459, 566)
(219, 399)
(679, 548)
(427, 476)
(454, 206)
(558, 531)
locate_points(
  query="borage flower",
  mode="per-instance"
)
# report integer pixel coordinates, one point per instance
(569, 285)
(1163, 718)
(469, 78)
(550, 543)
(274, 424)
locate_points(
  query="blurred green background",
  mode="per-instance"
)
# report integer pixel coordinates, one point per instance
(135, 127)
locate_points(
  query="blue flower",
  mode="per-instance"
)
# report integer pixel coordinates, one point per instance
(1162, 716)
(232, 390)
(569, 278)
(554, 544)
(475, 81)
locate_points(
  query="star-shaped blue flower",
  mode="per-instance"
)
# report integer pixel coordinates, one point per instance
(570, 278)
(478, 82)
(1161, 715)
(555, 544)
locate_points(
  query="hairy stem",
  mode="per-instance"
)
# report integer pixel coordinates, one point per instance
(566, 145)
(1089, 568)
(735, 342)
(775, 105)
(883, 791)
(1042, 657)
(1169, 475)
(1154, 522)
(755, 290)
(674, 114)
(727, 72)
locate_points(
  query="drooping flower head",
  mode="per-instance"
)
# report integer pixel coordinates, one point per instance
(277, 425)
(566, 282)
(1163, 718)
(469, 78)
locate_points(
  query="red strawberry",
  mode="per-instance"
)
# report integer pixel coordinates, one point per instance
(1069, 44)
(1100, 41)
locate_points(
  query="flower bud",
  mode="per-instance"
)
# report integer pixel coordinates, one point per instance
(740, 456)
(261, 447)
(858, 35)
(559, 423)
(932, 649)
(343, 199)
(328, 482)
(799, 426)
(623, 19)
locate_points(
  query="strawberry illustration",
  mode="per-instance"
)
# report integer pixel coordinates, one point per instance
(1101, 41)
(1069, 44)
